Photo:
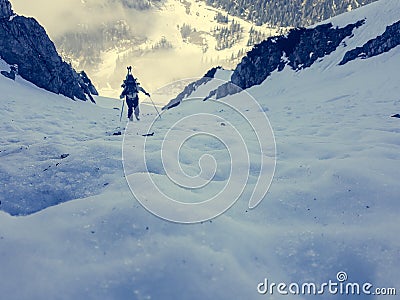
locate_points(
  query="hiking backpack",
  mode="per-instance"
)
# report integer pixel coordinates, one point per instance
(131, 85)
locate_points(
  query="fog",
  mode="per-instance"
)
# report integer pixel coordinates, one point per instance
(154, 68)
(158, 69)
(59, 17)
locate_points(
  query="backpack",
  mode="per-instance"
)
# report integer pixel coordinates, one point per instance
(131, 85)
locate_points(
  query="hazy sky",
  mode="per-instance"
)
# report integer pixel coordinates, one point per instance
(59, 16)
(153, 69)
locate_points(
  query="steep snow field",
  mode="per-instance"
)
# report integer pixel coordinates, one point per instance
(38, 129)
(332, 206)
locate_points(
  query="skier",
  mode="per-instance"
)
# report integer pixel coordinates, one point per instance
(131, 90)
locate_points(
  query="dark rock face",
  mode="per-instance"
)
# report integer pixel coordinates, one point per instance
(299, 49)
(383, 43)
(23, 41)
(5, 9)
(189, 89)
(88, 83)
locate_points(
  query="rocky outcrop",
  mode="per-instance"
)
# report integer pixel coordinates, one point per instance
(189, 89)
(23, 41)
(299, 49)
(383, 43)
(5, 9)
(88, 83)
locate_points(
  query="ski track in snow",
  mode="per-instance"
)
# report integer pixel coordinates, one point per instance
(332, 205)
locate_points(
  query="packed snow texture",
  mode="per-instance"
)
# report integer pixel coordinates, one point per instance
(217, 153)
(332, 206)
(52, 148)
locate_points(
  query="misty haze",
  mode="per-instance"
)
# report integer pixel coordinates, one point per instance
(163, 40)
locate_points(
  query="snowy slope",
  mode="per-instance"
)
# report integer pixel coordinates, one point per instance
(332, 205)
(39, 129)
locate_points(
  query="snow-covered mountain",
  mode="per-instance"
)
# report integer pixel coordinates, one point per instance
(330, 213)
(168, 39)
(163, 40)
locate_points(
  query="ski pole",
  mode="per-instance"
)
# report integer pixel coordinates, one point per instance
(122, 110)
(154, 106)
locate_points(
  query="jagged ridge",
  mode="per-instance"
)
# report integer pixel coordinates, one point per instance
(299, 49)
(383, 43)
(191, 88)
(23, 41)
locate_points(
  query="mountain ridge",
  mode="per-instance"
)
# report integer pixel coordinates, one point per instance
(24, 42)
(302, 47)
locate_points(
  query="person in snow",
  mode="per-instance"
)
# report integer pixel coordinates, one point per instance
(131, 89)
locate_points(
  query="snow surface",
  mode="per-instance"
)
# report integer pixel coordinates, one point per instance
(332, 206)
